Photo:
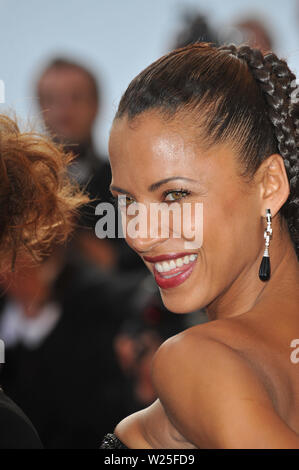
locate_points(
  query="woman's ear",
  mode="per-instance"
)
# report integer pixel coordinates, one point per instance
(274, 184)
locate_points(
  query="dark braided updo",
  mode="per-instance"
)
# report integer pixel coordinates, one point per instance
(236, 94)
(278, 84)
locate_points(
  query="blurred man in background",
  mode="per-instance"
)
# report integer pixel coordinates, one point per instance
(69, 97)
(70, 100)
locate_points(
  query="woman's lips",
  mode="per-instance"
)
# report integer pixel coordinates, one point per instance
(180, 273)
(166, 257)
(166, 283)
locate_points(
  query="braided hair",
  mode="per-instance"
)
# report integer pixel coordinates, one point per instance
(234, 93)
(278, 84)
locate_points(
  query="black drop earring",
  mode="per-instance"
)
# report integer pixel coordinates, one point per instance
(265, 269)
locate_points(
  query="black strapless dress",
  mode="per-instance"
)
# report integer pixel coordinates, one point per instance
(110, 441)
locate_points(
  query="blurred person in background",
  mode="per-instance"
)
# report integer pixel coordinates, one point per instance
(250, 30)
(38, 209)
(69, 96)
(58, 321)
(196, 27)
(255, 33)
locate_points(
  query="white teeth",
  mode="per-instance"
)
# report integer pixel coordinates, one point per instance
(159, 267)
(172, 264)
(165, 266)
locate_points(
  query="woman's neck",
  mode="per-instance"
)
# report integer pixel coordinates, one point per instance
(248, 291)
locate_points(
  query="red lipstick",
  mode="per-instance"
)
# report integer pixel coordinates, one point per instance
(174, 277)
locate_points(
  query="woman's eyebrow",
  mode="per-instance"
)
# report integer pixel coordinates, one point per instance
(119, 190)
(153, 186)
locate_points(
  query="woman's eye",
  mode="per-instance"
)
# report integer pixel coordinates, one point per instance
(176, 195)
(120, 201)
(125, 201)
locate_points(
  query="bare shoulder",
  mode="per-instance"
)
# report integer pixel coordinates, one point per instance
(213, 396)
(196, 346)
(198, 350)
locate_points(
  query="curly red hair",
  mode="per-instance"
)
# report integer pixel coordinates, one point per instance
(38, 202)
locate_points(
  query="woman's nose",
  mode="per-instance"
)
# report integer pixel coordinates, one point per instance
(144, 231)
(143, 245)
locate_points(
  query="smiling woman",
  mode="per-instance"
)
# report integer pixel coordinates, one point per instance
(217, 126)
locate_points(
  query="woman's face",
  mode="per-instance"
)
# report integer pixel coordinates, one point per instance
(151, 150)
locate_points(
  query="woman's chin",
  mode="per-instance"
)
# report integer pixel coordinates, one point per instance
(178, 304)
